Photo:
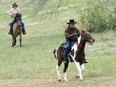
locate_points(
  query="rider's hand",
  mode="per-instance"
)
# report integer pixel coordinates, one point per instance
(73, 34)
(14, 16)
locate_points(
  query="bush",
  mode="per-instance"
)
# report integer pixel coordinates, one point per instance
(98, 15)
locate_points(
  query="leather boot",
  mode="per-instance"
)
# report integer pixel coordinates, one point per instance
(23, 29)
(10, 32)
(85, 61)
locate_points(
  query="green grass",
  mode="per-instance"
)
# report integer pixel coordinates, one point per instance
(33, 65)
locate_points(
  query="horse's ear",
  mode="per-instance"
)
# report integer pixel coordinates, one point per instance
(83, 31)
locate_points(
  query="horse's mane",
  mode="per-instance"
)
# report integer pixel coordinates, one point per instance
(18, 15)
(83, 31)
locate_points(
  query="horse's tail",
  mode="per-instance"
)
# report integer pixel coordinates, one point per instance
(55, 53)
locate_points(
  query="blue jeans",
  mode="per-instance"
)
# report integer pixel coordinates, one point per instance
(67, 49)
(12, 22)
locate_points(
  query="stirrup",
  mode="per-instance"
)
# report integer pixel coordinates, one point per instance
(64, 61)
(24, 32)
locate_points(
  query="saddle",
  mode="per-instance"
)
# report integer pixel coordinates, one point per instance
(63, 44)
(63, 48)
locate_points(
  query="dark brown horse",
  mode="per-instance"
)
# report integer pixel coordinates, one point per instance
(17, 30)
(77, 54)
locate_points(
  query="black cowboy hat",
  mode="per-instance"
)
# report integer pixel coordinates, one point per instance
(14, 4)
(71, 22)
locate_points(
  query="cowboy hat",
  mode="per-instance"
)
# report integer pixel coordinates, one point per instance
(14, 4)
(71, 22)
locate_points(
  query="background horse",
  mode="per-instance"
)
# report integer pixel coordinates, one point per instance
(17, 30)
(77, 54)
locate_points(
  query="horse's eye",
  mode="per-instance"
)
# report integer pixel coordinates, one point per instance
(88, 36)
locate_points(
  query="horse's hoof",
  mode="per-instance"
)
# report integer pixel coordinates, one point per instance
(59, 80)
(66, 80)
(81, 79)
(77, 76)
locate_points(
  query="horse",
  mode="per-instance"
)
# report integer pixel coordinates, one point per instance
(76, 54)
(17, 30)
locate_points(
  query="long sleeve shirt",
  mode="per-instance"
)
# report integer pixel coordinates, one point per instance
(14, 11)
(70, 31)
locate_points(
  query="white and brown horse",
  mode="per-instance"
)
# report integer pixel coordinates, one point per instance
(77, 54)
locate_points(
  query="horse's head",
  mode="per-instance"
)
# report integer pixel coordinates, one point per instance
(86, 36)
(18, 18)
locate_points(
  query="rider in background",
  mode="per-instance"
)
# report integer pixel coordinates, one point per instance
(14, 10)
(71, 34)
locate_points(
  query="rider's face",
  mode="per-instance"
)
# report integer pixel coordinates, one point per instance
(72, 25)
(14, 7)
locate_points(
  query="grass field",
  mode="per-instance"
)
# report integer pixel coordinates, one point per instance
(33, 65)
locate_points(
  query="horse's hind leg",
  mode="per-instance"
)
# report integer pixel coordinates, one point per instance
(15, 42)
(64, 71)
(57, 69)
(12, 43)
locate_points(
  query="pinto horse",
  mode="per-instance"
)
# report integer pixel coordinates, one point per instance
(77, 54)
(17, 30)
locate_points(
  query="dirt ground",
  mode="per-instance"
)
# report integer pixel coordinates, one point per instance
(101, 81)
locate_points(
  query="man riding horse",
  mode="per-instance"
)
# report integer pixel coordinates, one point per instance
(71, 35)
(75, 52)
(14, 10)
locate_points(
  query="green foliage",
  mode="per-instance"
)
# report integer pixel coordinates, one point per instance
(95, 15)
(98, 15)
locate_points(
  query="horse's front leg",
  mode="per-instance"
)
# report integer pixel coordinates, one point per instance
(64, 71)
(57, 69)
(73, 57)
(13, 41)
(82, 69)
(20, 40)
(79, 69)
